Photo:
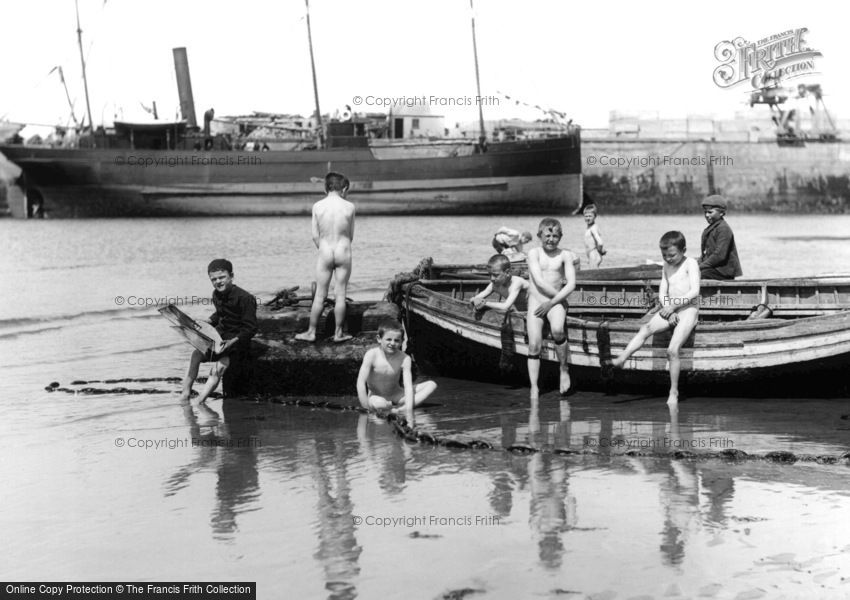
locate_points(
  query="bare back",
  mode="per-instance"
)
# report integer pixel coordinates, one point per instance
(333, 230)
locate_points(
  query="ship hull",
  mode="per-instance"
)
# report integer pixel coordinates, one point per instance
(537, 176)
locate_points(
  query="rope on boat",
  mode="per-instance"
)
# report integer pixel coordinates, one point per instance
(287, 299)
(419, 436)
(508, 343)
(395, 288)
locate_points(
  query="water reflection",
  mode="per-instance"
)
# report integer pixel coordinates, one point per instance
(338, 551)
(337, 457)
(226, 444)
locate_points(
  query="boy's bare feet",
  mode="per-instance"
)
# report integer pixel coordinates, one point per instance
(565, 381)
(338, 339)
(673, 398)
(184, 396)
(307, 336)
(535, 393)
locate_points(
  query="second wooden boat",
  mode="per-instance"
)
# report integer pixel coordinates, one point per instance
(786, 336)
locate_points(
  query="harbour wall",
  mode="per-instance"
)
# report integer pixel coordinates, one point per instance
(673, 176)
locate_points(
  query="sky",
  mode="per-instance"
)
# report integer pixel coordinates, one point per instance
(584, 59)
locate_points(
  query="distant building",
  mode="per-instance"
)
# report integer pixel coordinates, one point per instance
(415, 122)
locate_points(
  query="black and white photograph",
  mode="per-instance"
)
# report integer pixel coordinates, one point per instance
(456, 300)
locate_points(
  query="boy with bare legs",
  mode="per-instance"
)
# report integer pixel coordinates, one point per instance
(679, 295)
(235, 319)
(551, 277)
(378, 380)
(333, 232)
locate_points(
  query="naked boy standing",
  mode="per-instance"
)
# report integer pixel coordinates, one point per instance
(333, 233)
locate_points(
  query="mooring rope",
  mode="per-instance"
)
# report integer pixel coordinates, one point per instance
(96, 391)
(419, 436)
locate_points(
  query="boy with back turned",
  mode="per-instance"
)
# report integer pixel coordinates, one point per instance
(333, 232)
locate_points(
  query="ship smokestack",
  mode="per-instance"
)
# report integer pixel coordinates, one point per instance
(184, 86)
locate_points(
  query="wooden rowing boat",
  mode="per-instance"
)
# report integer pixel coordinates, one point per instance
(786, 336)
(479, 271)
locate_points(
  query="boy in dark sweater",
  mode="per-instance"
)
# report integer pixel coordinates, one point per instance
(235, 319)
(719, 256)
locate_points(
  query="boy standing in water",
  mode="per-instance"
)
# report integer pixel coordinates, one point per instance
(378, 380)
(551, 278)
(679, 295)
(235, 319)
(333, 232)
(592, 238)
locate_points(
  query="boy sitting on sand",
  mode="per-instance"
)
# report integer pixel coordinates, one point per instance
(501, 282)
(551, 277)
(235, 319)
(378, 381)
(679, 295)
(333, 232)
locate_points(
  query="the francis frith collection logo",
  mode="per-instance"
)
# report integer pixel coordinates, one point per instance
(777, 57)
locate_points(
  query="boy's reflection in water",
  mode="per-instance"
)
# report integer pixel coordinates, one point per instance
(552, 509)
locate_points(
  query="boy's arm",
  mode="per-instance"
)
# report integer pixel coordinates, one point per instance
(665, 311)
(535, 274)
(597, 238)
(407, 380)
(487, 291)
(362, 376)
(569, 278)
(722, 237)
(247, 321)
(513, 293)
(674, 304)
(314, 227)
(569, 285)
(693, 284)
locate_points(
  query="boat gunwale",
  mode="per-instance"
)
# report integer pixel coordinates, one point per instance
(634, 324)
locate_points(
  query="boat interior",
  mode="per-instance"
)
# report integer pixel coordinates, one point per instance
(720, 301)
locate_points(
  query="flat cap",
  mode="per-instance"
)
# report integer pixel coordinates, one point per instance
(715, 200)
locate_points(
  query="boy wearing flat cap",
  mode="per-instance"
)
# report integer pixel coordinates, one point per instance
(719, 256)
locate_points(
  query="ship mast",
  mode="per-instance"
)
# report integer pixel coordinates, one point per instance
(482, 136)
(83, 63)
(315, 85)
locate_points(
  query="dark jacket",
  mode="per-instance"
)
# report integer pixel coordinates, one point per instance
(235, 315)
(718, 251)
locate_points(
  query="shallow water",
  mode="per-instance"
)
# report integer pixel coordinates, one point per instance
(302, 499)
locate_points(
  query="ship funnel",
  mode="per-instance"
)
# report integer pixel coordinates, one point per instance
(184, 86)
